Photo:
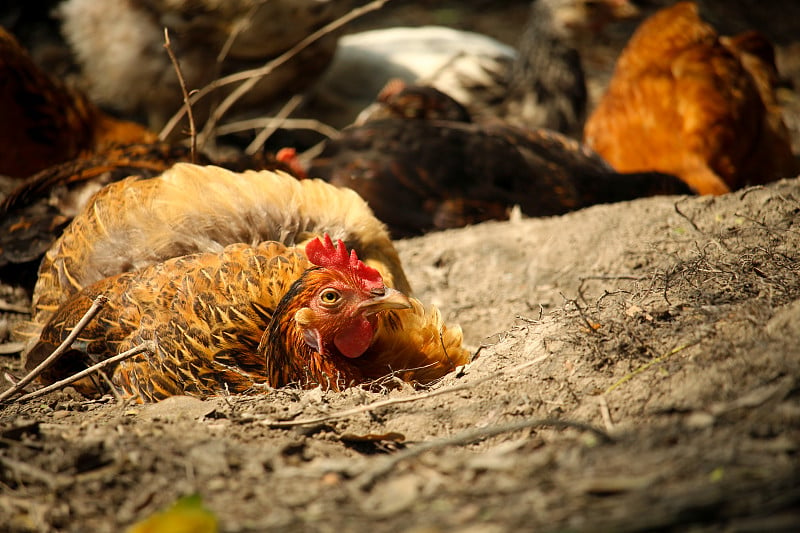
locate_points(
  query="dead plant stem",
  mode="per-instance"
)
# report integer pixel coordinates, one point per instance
(147, 346)
(468, 437)
(396, 401)
(647, 365)
(185, 92)
(252, 76)
(95, 308)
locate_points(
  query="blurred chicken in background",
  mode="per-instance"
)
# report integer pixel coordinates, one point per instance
(685, 101)
(539, 84)
(43, 122)
(422, 164)
(118, 45)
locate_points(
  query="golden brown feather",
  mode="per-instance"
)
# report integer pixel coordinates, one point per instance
(189, 208)
(229, 322)
(136, 224)
(34, 214)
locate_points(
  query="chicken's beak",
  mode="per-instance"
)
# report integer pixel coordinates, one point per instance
(383, 300)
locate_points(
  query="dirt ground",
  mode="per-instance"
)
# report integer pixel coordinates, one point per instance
(636, 369)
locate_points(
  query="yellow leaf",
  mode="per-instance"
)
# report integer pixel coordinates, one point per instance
(186, 515)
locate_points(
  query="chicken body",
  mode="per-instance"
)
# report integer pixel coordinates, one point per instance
(36, 212)
(244, 317)
(546, 87)
(684, 101)
(43, 122)
(189, 208)
(214, 267)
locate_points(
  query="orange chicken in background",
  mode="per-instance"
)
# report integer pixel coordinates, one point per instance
(685, 101)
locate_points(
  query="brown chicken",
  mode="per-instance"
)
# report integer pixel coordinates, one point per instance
(685, 101)
(266, 315)
(205, 261)
(43, 122)
(422, 166)
(134, 223)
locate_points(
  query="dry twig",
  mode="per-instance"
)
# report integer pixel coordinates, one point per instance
(186, 102)
(468, 437)
(273, 124)
(30, 473)
(147, 346)
(265, 122)
(396, 401)
(647, 365)
(605, 413)
(252, 76)
(97, 305)
(13, 308)
(694, 225)
(591, 326)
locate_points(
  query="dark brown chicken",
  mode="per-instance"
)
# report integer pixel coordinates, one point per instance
(43, 122)
(224, 282)
(420, 173)
(685, 101)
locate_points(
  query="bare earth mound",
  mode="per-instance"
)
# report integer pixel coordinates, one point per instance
(637, 369)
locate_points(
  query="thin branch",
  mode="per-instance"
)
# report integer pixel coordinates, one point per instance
(649, 364)
(686, 217)
(274, 124)
(468, 437)
(97, 305)
(117, 396)
(713, 239)
(14, 308)
(605, 413)
(289, 123)
(8, 348)
(237, 29)
(311, 153)
(252, 76)
(396, 401)
(182, 82)
(32, 473)
(147, 346)
(592, 327)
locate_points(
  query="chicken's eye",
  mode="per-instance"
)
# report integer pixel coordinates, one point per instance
(330, 297)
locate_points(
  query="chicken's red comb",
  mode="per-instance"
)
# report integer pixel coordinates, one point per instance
(288, 156)
(325, 254)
